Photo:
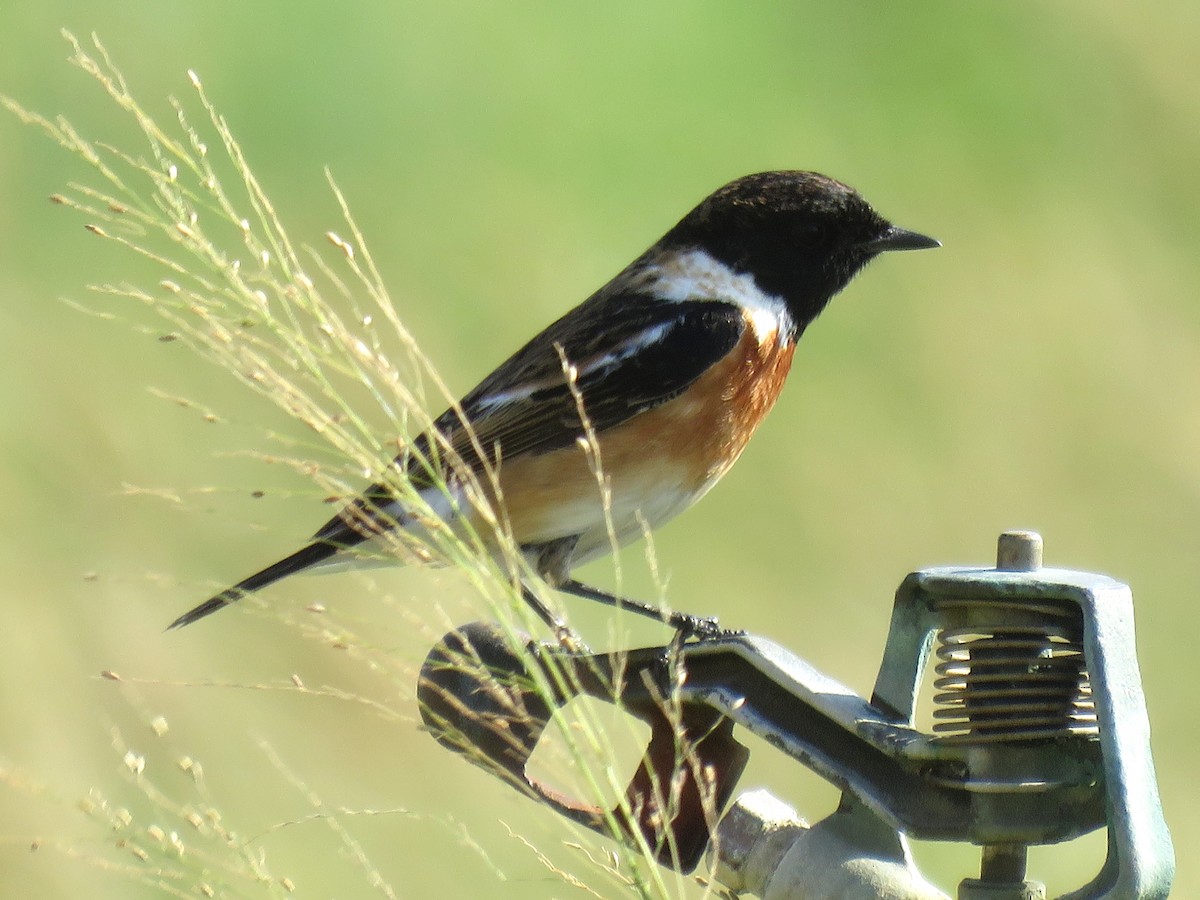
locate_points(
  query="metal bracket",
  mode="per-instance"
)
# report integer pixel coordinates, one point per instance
(1010, 775)
(482, 698)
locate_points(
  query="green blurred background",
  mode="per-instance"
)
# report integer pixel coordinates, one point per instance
(1042, 370)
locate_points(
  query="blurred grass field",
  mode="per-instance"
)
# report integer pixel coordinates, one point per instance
(1042, 370)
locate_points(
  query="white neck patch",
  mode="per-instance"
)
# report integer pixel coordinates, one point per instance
(695, 275)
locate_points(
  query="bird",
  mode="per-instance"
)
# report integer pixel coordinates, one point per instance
(665, 373)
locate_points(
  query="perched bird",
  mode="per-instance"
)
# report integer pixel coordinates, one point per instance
(675, 362)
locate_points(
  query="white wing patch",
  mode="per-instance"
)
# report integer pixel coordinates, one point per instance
(638, 342)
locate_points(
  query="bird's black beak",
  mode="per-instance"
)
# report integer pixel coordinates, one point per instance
(899, 239)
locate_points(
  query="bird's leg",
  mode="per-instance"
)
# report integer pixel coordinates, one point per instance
(684, 623)
(564, 633)
(553, 562)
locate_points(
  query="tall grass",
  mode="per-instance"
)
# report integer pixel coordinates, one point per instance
(312, 329)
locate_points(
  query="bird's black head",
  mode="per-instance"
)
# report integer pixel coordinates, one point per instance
(800, 235)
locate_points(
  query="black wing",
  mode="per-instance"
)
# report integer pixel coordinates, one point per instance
(631, 354)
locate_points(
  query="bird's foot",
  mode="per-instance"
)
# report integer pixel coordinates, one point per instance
(701, 627)
(570, 640)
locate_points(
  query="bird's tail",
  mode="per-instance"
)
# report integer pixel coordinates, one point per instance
(303, 558)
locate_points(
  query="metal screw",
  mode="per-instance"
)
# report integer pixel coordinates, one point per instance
(1019, 551)
(1002, 871)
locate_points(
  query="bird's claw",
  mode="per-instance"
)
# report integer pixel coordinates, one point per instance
(570, 640)
(701, 627)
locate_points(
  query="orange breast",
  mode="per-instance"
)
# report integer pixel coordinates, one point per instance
(711, 423)
(658, 462)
